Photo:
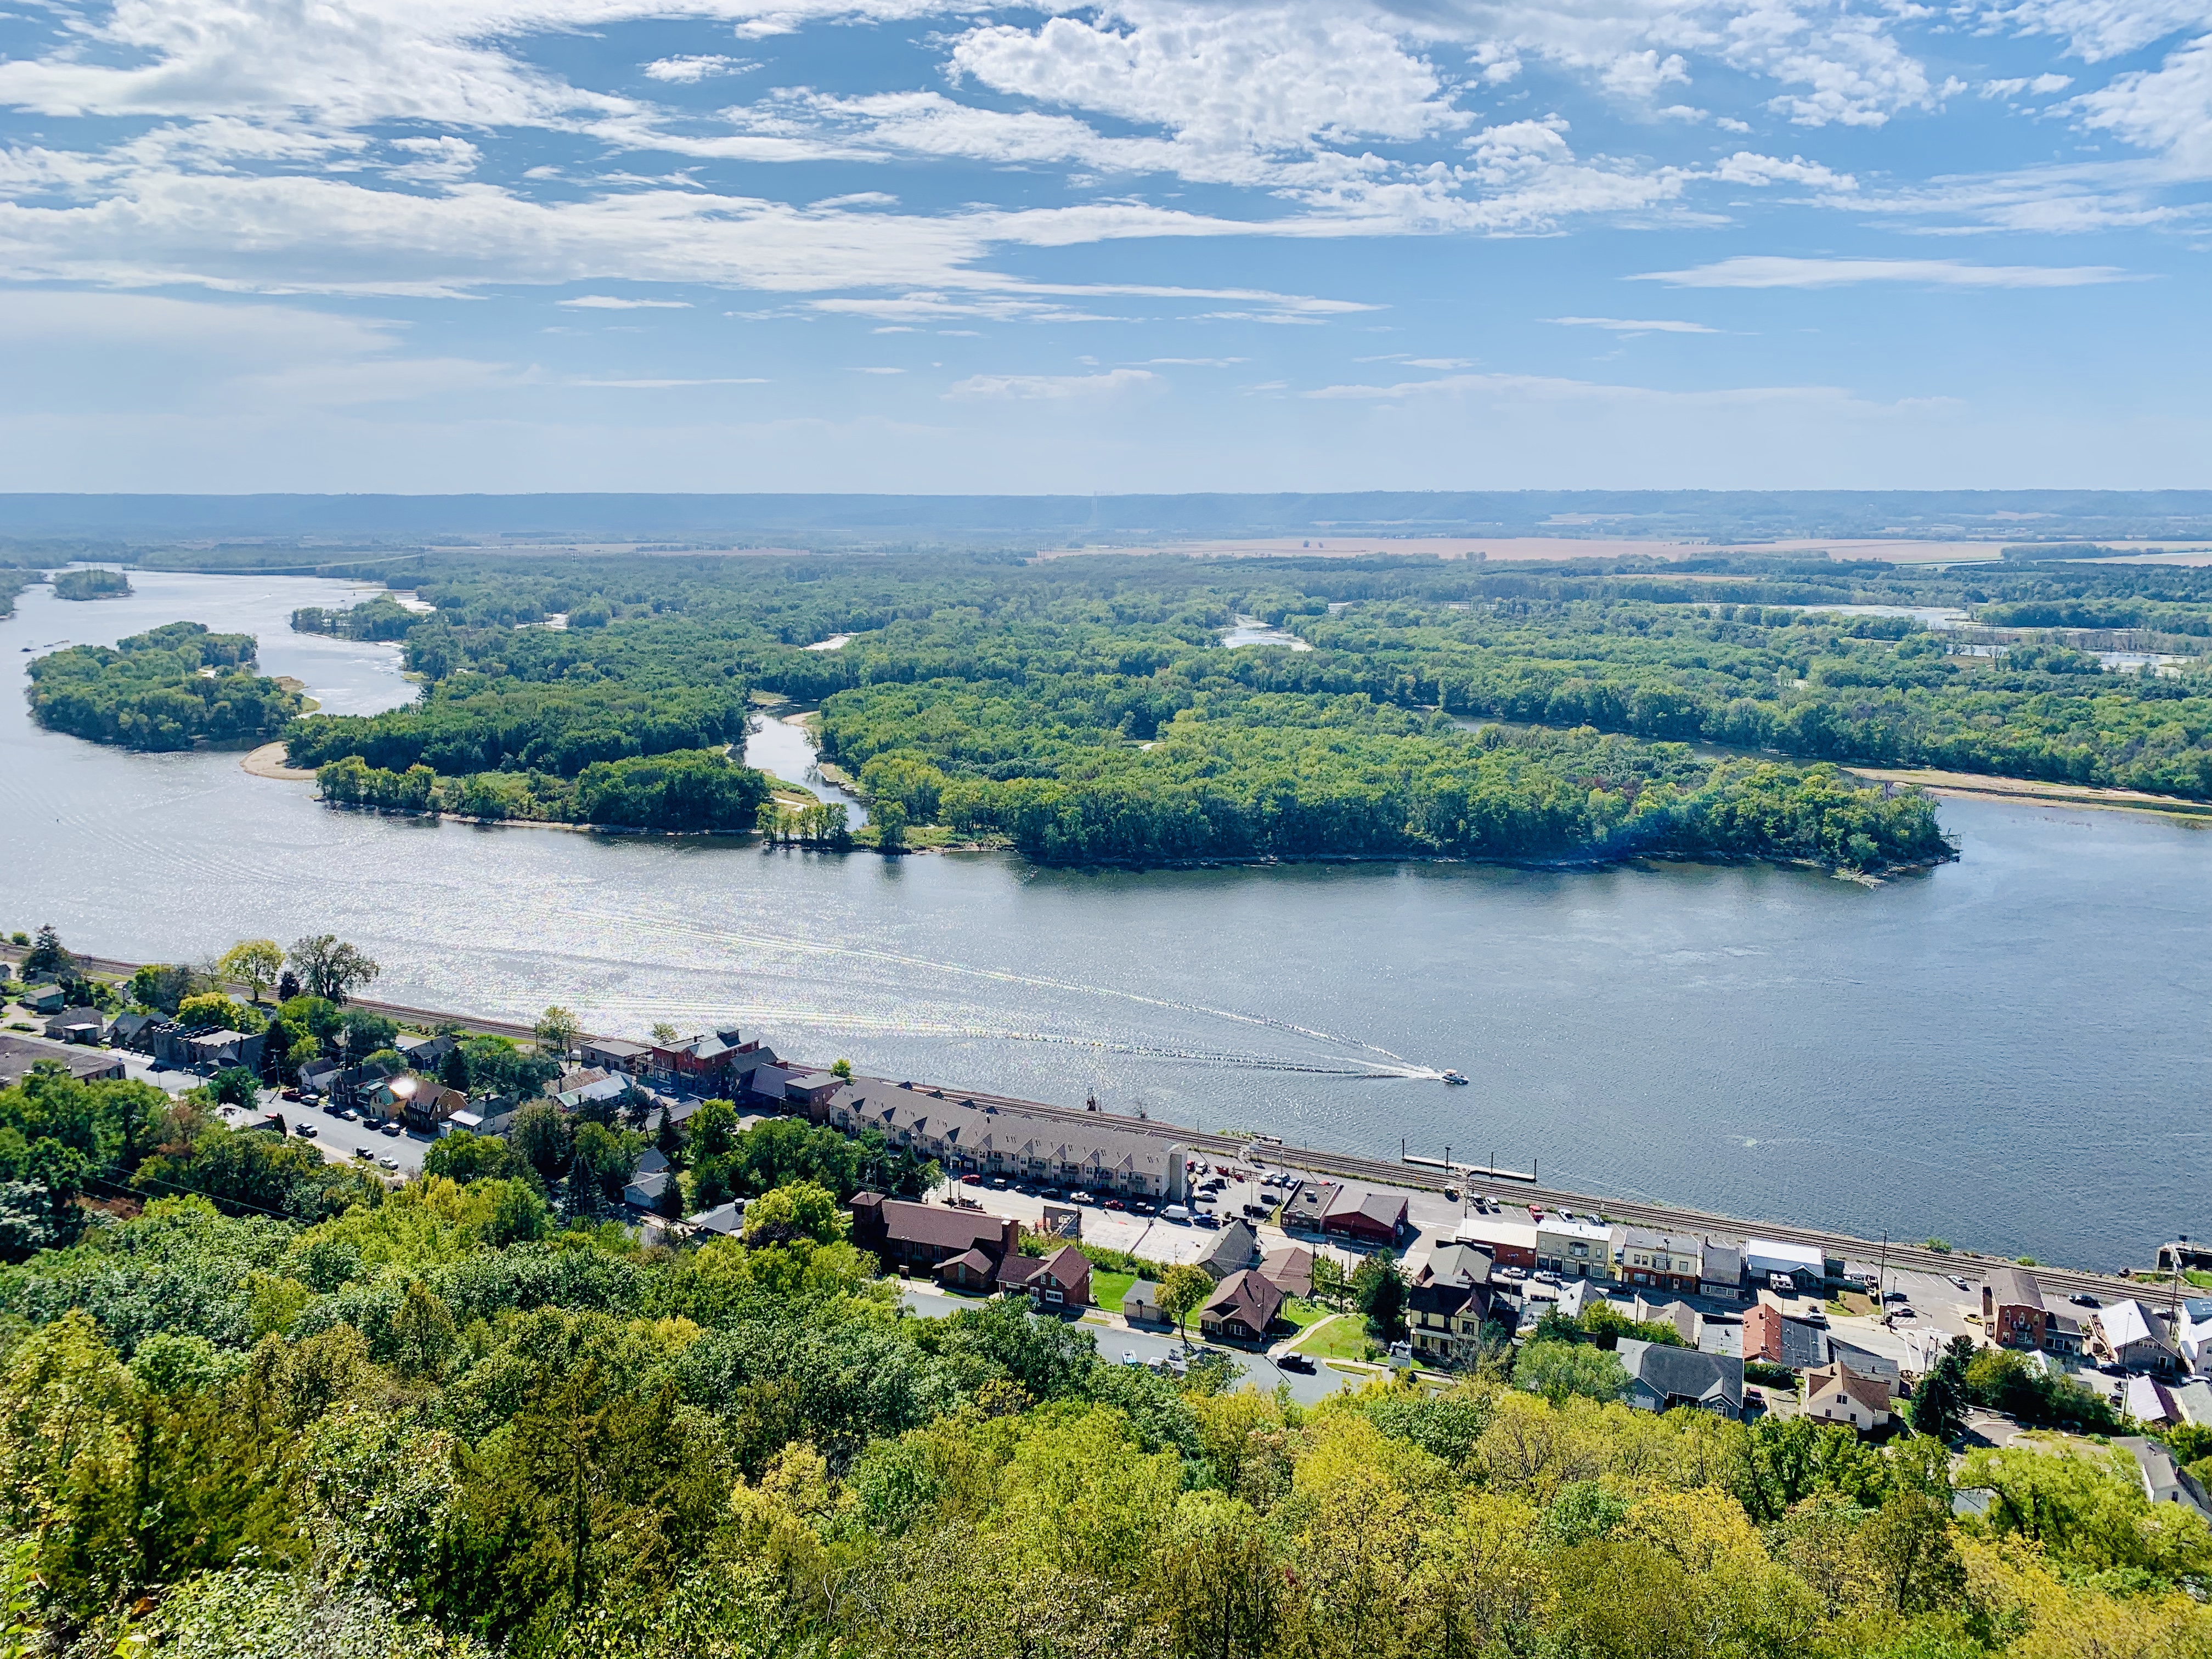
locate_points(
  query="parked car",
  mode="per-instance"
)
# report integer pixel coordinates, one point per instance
(2083, 1300)
(1205, 1218)
(1175, 1213)
(289, 1094)
(389, 1126)
(1960, 1282)
(998, 1183)
(1115, 1203)
(346, 1113)
(387, 1163)
(1295, 1362)
(971, 1180)
(305, 1131)
(1081, 1198)
(1129, 1357)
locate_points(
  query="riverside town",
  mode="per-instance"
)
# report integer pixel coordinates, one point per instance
(162, 1114)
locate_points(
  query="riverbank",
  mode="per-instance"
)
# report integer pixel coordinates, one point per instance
(1973, 785)
(1425, 1180)
(269, 761)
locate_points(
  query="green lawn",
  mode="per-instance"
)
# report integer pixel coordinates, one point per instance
(1341, 1339)
(1303, 1315)
(1107, 1289)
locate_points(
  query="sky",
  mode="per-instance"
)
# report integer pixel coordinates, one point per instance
(1152, 245)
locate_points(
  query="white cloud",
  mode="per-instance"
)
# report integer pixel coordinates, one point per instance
(1539, 391)
(1196, 363)
(611, 302)
(684, 72)
(1052, 386)
(1745, 167)
(878, 371)
(1629, 325)
(2167, 109)
(1758, 270)
(657, 386)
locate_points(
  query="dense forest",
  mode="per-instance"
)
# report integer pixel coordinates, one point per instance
(279, 1411)
(90, 583)
(173, 687)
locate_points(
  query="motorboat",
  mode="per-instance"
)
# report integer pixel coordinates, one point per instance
(1456, 1078)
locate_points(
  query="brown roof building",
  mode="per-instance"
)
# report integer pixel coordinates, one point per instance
(1240, 1308)
(1836, 1394)
(901, 1234)
(2013, 1311)
(1290, 1270)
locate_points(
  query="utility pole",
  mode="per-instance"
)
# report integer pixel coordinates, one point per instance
(1881, 1277)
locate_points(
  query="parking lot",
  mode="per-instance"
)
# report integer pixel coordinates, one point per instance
(337, 1138)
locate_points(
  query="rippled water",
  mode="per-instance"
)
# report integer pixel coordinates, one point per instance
(2011, 1052)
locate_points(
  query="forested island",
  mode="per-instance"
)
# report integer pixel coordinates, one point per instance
(255, 1403)
(1084, 710)
(175, 687)
(92, 582)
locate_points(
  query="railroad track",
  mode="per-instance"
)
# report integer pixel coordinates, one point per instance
(1918, 1258)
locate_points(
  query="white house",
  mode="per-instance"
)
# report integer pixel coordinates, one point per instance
(1836, 1394)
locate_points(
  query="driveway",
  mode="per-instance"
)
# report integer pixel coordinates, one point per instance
(1113, 1342)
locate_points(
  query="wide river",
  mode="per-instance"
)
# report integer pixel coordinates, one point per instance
(2012, 1052)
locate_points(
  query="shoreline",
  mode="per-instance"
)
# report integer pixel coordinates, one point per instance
(1594, 861)
(1402, 1174)
(269, 762)
(1977, 786)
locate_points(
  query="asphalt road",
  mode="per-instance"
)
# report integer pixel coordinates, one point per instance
(337, 1139)
(1114, 1341)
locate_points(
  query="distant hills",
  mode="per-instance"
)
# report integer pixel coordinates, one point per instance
(684, 521)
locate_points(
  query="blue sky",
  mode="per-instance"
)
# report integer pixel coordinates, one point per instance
(456, 245)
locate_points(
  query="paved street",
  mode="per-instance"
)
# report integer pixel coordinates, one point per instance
(1114, 1341)
(337, 1138)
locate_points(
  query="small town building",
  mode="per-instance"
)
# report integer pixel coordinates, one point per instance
(973, 1270)
(646, 1190)
(1233, 1249)
(1455, 1264)
(1660, 1378)
(2013, 1311)
(2129, 1335)
(2163, 1482)
(19, 1055)
(1721, 1272)
(1291, 1270)
(420, 1102)
(994, 1138)
(1014, 1271)
(136, 1032)
(2193, 1333)
(904, 1235)
(1573, 1246)
(1772, 1338)
(427, 1055)
(614, 1054)
(1666, 1262)
(1445, 1317)
(43, 999)
(724, 1220)
(1140, 1304)
(1774, 1264)
(1063, 1280)
(80, 1025)
(1240, 1308)
(1836, 1394)
(1507, 1242)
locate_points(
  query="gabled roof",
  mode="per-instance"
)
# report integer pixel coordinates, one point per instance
(1457, 1264)
(1233, 1247)
(972, 1262)
(1247, 1296)
(1871, 1392)
(1067, 1265)
(938, 1226)
(1016, 1270)
(1447, 1297)
(1683, 1373)
(1290, 1269)
(2124, 1322)
(2014, 1287)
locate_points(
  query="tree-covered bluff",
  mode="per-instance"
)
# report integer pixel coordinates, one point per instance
(171, 688)
(437, 1421)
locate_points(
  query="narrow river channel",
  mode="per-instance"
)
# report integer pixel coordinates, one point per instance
(2012, 1051)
